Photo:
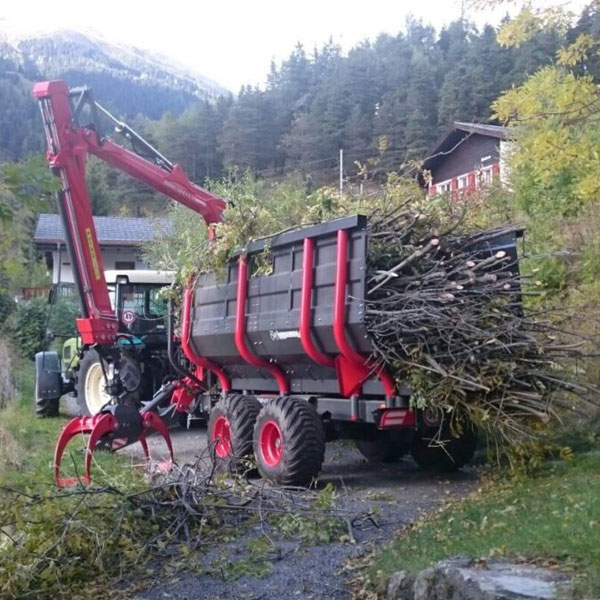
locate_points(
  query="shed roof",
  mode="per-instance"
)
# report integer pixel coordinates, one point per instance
(111, 231)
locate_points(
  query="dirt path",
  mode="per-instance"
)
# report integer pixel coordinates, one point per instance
(393, 494)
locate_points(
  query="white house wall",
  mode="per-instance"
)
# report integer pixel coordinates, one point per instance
(110, 256)
(506, 151)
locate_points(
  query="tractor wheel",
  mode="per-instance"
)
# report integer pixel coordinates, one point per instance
(89, 382)
(47, 377)
(385, 447)
(230, 428)
(445, 452)
(289, 442)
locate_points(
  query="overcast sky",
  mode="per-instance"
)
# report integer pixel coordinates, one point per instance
(230, 41)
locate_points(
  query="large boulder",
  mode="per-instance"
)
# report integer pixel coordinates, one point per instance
(463, 578)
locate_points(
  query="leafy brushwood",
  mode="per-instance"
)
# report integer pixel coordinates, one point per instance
(88, 539)
(440, 314)
(257, 208)
(450, 319)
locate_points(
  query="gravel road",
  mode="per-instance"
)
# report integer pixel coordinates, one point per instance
(394, 494)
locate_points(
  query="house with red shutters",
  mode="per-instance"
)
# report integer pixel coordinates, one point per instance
(468, 157)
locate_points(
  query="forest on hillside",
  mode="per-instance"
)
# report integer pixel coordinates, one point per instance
(391, 97)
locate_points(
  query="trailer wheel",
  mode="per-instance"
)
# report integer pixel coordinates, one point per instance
(230, 429)
(89, 383)
(447, 455)
(384, 448)
(289, 442)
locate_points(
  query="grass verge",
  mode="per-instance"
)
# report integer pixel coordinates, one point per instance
(27, 445)
(552, 517)
(54, 544)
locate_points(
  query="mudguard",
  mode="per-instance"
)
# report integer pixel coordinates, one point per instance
(48, 375)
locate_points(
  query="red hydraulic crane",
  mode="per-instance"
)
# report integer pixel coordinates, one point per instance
(69, 143)
(72, 127)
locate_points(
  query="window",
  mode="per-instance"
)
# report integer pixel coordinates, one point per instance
(125, 265)
(443, 188)
(145, 300)
(485, 177)
(133, 298)
(157, 303)
(463, 182)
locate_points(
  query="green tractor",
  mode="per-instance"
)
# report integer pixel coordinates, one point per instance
(142, 311)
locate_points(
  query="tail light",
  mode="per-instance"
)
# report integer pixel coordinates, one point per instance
(397, 417)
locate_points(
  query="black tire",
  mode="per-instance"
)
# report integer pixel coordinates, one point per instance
(385, 447)
(452, 453)
(302, 442)
(47, 407)
(47, 377)
(90, 366)
(240, 413)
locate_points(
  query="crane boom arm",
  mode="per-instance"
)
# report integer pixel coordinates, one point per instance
(68, 144)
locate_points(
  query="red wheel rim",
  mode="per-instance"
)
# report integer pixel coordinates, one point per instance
(432, 417)
(222, 437)
(271, 443)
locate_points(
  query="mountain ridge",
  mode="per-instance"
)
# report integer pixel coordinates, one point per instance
(88, 59)
(129, 81)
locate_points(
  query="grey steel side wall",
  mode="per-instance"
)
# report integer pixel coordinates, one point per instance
(273, 311)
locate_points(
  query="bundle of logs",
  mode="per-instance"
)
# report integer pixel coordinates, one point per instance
(445, 312)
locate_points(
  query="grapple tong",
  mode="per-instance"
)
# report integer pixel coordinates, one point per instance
(114, 428)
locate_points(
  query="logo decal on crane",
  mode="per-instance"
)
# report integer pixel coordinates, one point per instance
(93, 257)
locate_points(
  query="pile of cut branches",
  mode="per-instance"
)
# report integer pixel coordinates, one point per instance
(91, 539)
(445, 311)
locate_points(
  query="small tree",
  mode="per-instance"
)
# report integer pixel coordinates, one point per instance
(28, 327)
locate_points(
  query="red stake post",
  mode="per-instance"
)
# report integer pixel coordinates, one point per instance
(186, 346)
(305, 309)
(352, 366)
(240, 331)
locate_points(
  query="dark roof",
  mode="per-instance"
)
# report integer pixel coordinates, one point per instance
(111, 231)
(496, 131)
(455, 135)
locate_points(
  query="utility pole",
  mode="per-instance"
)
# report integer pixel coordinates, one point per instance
(341, 173)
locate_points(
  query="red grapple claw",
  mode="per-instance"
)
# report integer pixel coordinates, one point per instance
(80, 426)
(106, 425)
(151, 420)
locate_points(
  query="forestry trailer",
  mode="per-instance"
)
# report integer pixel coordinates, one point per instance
(280, 361)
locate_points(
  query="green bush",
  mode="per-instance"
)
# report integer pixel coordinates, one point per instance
(28, 326)
(62, 316)
(32, 319)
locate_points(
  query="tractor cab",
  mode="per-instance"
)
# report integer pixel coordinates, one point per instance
(141, 306)
(140, 303)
